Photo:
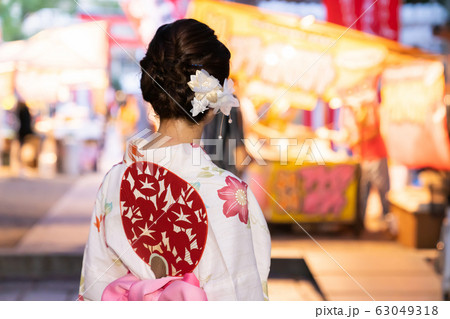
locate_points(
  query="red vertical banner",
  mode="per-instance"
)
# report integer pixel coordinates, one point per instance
(379, 18)
(307, 120)
(388, 13)
(342, 12)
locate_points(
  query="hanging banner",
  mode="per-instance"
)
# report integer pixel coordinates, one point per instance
(380, 18)
(414, 126)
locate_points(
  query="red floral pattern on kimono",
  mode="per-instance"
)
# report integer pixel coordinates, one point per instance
(235, 196)
(163, 216)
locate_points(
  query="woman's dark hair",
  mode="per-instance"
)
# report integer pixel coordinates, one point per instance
(175, 53)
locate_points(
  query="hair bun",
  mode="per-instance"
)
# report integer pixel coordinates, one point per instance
(175, 53)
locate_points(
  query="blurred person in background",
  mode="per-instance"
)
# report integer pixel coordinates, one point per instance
(24, 120)
(128, 116)
(23, 133)
(365, 141)
(359, 129)
(112, 147)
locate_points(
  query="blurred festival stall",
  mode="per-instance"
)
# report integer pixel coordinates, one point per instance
(62, 75)
(294, 75)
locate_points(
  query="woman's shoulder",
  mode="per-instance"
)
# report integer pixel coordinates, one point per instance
(222, 190)
(114, 173)
(214, 175)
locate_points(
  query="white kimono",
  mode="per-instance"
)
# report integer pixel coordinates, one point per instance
(176, 205)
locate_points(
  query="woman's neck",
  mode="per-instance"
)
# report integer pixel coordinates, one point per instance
(179, 131)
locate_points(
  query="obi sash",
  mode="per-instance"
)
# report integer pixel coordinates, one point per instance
(131, 288)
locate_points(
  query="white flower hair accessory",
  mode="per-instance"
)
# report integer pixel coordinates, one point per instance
(209, 94)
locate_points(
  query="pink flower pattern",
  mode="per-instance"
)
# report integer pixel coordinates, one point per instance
(235, 197)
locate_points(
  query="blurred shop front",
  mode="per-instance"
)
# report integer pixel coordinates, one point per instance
(295, 76)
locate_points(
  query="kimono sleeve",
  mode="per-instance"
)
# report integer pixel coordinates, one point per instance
(101, 265)
(261, 240)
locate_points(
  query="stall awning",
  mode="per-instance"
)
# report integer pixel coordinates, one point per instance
(56, 58)
(80, 46)
(290, 62)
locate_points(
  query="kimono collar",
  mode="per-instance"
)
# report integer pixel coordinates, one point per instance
(175, 156)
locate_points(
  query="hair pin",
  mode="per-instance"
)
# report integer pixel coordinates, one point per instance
(197, 64)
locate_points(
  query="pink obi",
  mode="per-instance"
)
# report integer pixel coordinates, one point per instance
(131, 288)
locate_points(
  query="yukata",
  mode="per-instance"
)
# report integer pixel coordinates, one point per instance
(173, 205)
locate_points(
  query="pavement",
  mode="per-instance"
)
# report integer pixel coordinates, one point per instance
(44, 263)
(39, 290)
(365, 269)
(24, 201)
